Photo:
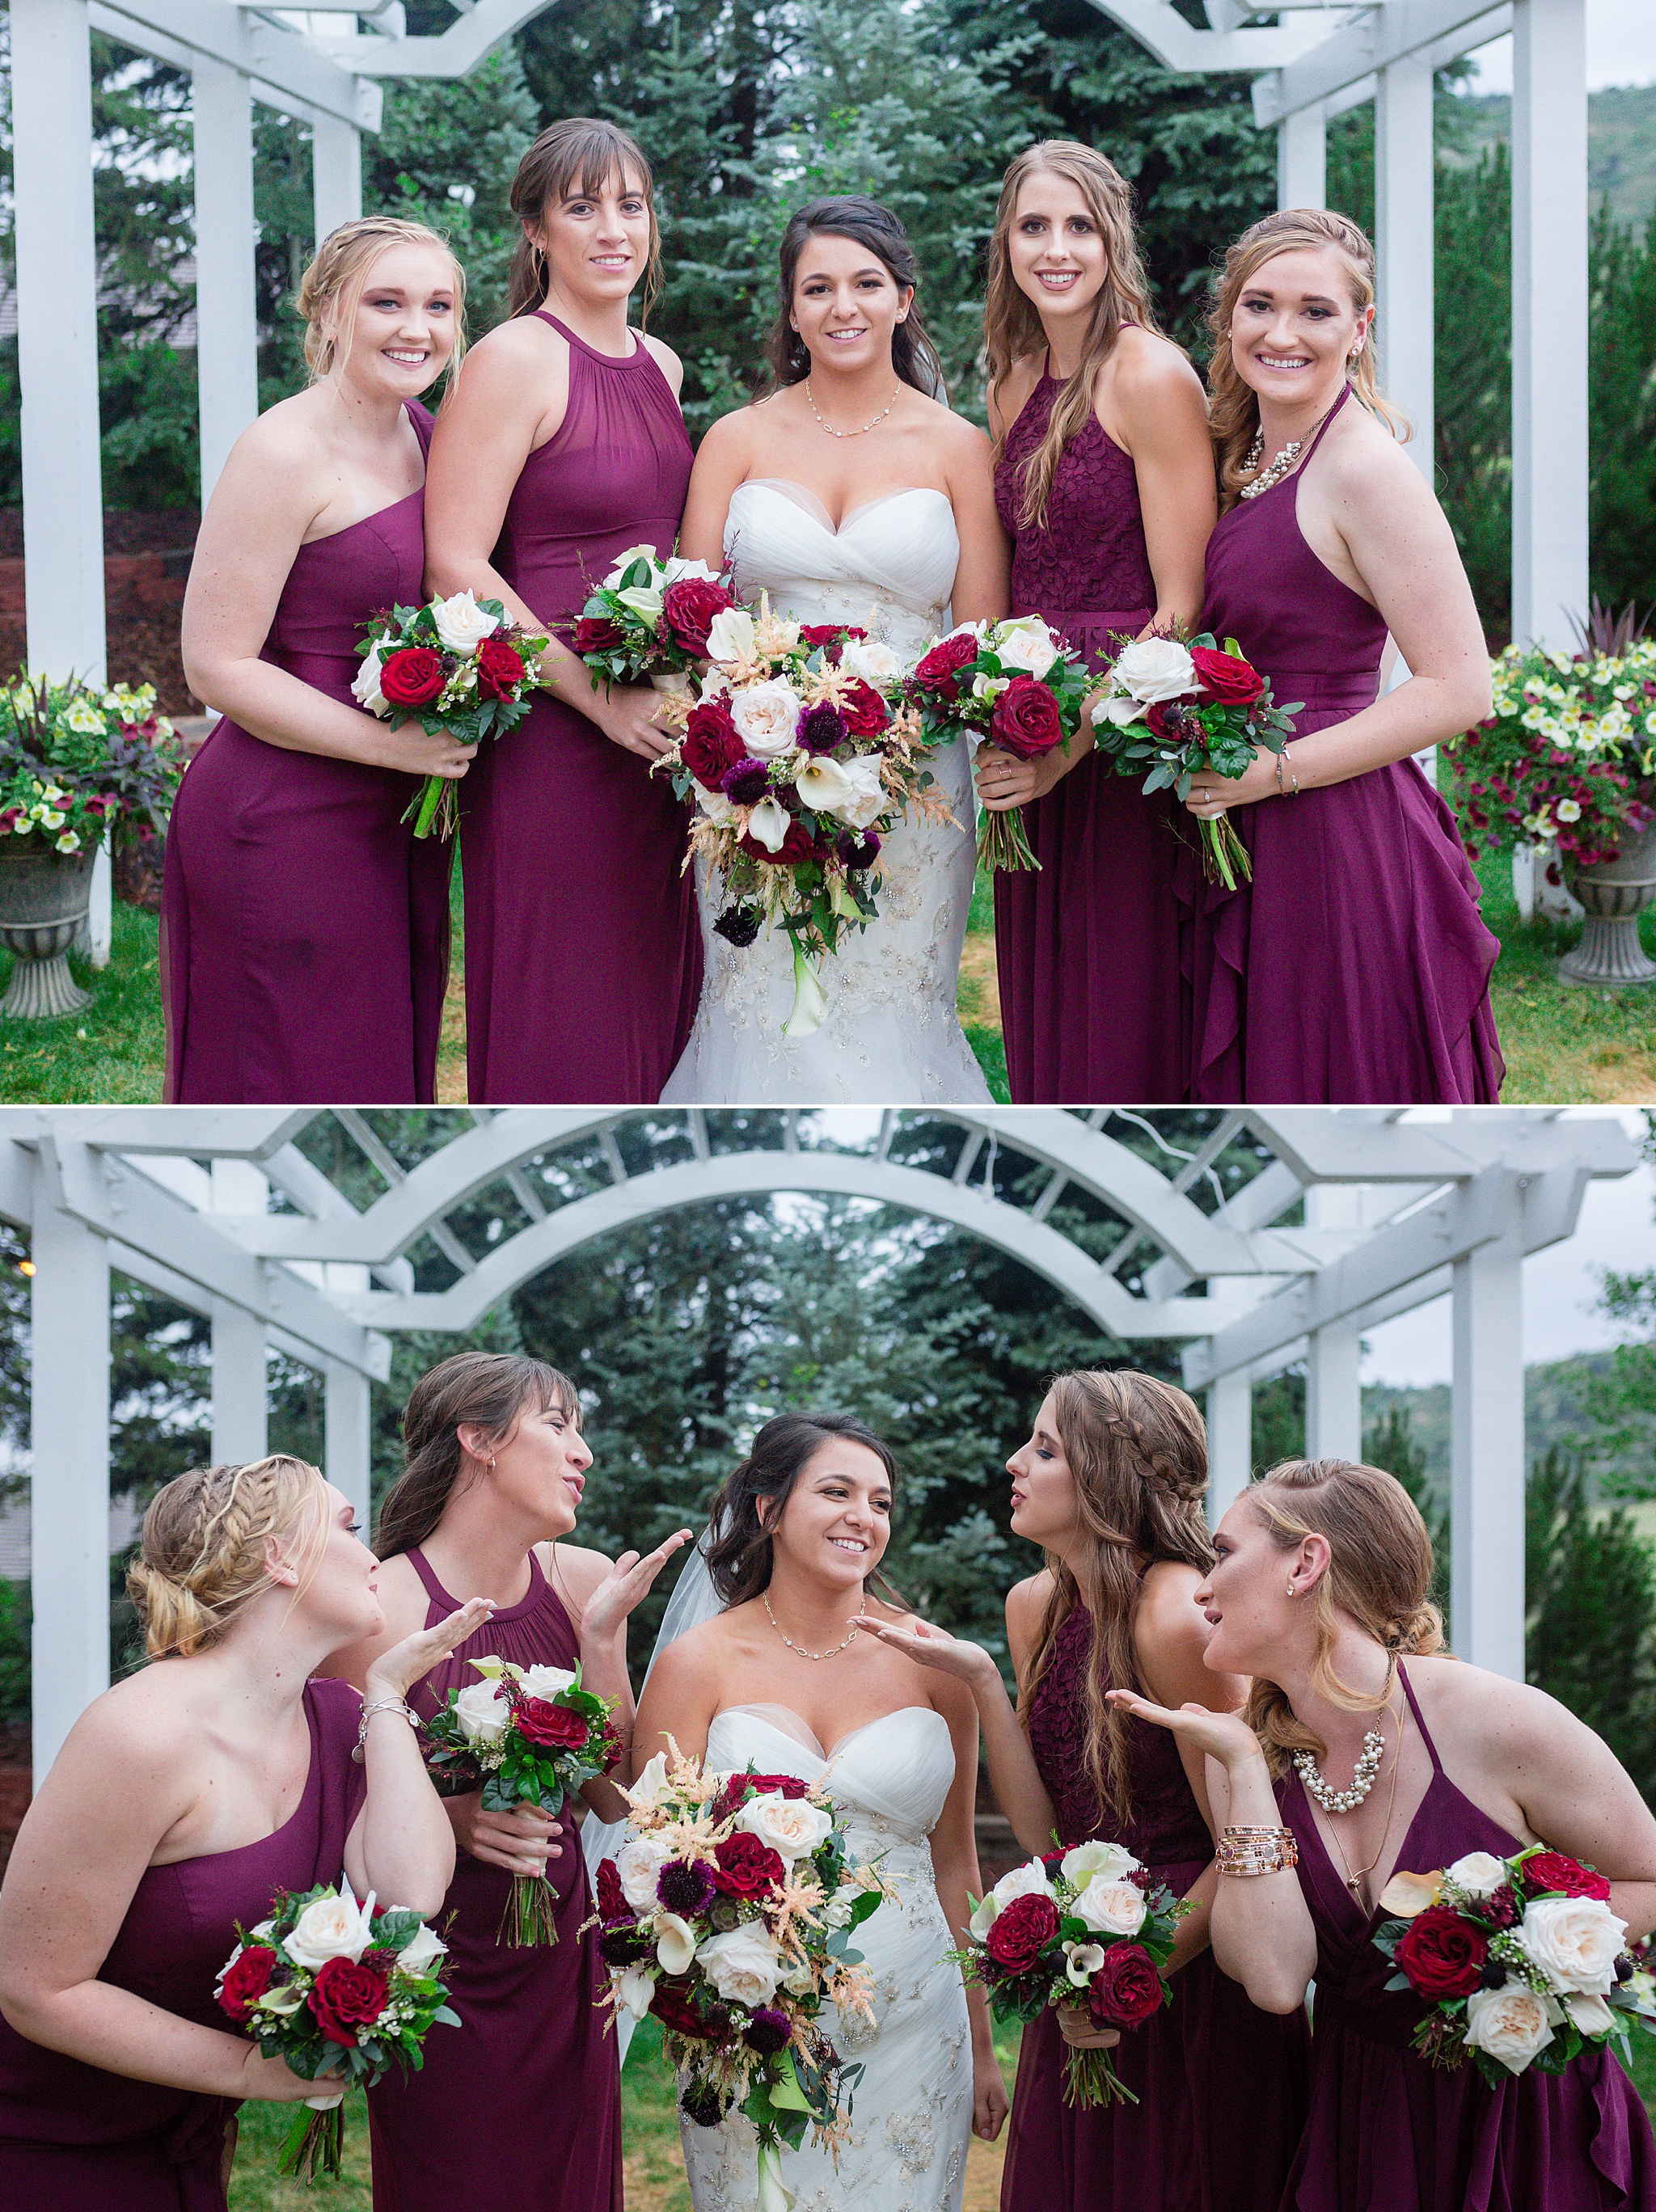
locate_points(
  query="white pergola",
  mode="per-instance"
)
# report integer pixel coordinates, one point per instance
(1352, 1216)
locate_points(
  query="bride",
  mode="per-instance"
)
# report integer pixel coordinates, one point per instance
(781, 1677)
(851, 496)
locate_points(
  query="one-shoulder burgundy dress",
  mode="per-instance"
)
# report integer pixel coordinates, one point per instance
(1087, 949)
(76, 2139)
(1355, 968)
(306, 928)
(520, 2106)
(1221, 2085)
(583, 953)
(1388, 2131)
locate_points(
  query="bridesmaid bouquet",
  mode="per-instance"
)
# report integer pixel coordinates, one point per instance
(1014, 685)
(1176, 707)
(1083, 1928)
(729, 1913)
(526, 1736)
(647, 621)
(455, 664)
(1518, 1960)
(339, 1991)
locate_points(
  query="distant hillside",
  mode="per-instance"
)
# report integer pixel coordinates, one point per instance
(1552, 1411)
(1621, 144)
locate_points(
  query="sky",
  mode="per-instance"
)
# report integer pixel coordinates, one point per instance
(1621, 48)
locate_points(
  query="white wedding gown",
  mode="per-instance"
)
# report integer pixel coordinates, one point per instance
(891, 1030)
(911, 2109)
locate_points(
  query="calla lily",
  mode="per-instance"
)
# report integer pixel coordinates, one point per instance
(774, 2194)
(767, 824)
(809, 1003)
(675, 1943)
(823, 785)
(1407, 1894)
(1119, 710)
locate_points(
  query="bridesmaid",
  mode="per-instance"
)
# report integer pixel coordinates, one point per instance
(493, 1469)
(183, 1799)
(305, 932)
(1104, 481)
(1112, 1486)
(1320, 1592)
(561, 448)
(1370, 979)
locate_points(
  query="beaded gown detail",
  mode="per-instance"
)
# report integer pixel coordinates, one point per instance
(1088, 948)
(1221, 2085)
(1388, 2132)
(74, 2138)
(1355, 968)
(582, 960)
(530, 2064)
(305, 928)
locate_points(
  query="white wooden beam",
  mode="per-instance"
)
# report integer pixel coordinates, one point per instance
(1302, 159)
(227, 325)
(336, 175)
(1230, 1441)
(240, 1400)
(255, 46)
(1404, 190)
(1487, 1457)
(1371, 39)
(349, 1438)
(1334, 1397)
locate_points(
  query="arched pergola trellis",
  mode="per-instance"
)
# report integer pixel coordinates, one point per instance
(1342, 1220)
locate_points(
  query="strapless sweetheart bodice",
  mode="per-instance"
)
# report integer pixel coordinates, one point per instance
(889, 567)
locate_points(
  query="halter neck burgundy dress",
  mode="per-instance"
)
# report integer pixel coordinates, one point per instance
(1221, 2085)
(583, 953)
(1087, 949)
(520, 2104)
(305, 927)
(76, 2139)
(1355, 968)
(1388, 2132)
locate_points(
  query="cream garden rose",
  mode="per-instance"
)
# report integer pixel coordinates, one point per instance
(329, 1928)
(365, 684)
(547, 1681)
(1114, 1907)
(421, 1954)
(767, 717)
(639, 1863)
(482, 1712)
(868, 799)
(792, 1826)
(462, 625)
(1095, 1857)
(1028, 1880)
(1480, 1874)
(875, 663)
(1026, 643)
(742, 1964)
(1575, 1941)
(1511, 2024)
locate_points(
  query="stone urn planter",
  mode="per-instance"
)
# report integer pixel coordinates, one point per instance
(1615, 895)
(43, 896)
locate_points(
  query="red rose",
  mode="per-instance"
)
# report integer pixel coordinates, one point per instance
(689, 606)
(501, 669)
(828, 634)
(1225, 676)
(778, 1785)
(940, 668)
(598, 633)
(247, 1981)
(1126, 1988)
(712, 745)
(557, 1727)
(411, 677)
(1442, 1954)
(864, 714)
(613, 1745)
(1021, 1931)
(747, 1868)
(1167, 720)
(797, 846)
(345, 1997)
(611, 1898)
(1025, 719)
(1551, 1874)
(672, 2006)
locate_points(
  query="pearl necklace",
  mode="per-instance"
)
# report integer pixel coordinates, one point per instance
(800, 1648)
(1280, 467)
(1344, 1800)
(857, 433)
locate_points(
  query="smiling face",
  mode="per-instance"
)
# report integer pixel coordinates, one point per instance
(846, 304)
(404, 325)
(1293, 326)
(597, 243)
(1045, 1507)
(836, 1521)
(1055, 248)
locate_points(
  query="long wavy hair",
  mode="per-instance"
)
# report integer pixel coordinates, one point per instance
(877, 230)
(1012, 324)
(579, 153)
(489, 1390)
(1137, 1449)
(1233, 403)
(739, 1552)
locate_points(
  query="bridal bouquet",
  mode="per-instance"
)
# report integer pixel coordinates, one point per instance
(1012, 684)
(799, 754)
(455, 664)
(1083, 1928)
(728, 1912)
(1519, 1961)
(650, 619)
(527, 1735)
(1175, 708)
(339, 1991)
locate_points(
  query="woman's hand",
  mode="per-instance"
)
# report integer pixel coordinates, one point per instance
(1225, 1737)
(989, 2095)
(394, 1673)
(1004, 781)
(522, 1841)
(935, 1647)
(412, 751)
(1212, 795)
(1075, 2025)
(626, 714)
(273, 2081)
(627, 1583)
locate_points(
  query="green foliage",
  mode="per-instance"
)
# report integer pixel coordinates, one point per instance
(16, 1617)
(1623, 401)
(1390, 1444)
(1279, 1419)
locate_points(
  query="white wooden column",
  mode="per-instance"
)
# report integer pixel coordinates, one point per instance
(240, 1402)
(1230, 1440)
(1404, 190)
(1549, 318)
(69, 1448)
(1487, 1460)
(346, 1450)
(1302, 159)
(336, 173)
(1334, 1397)
(227, 333)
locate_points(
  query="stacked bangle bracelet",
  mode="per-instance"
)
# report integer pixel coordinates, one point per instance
(1257, 1850)
(379, 1705)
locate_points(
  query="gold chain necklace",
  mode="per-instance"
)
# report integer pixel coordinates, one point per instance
(800, 1648)
(858, 433)
(1355, 1881)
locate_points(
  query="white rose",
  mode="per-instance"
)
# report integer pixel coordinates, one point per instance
(638, 1862)
(1480, 1874)
(331, 1928)
(420, 1955)
(742, 1964)
(1511, 2024)
(1026, 643)
(1590, 2013)
(1097, 1857)
(801, 1983)
(482, 1712)
(868, 798)
(1081, 1962)
(675, 1943)
(652, 1783)
(730, 634)
(713, 804)
(875, 663)
(634, 1988)
(1155, 668)
(640, 600)
(1113, 1906)
(546, 1682)
(792, 1826)
(767, 824)
(625, 560)
(767, 717)
(461, 623)
(823, 785)
(675, 570)
(837, 1913)
(1030, 1880)
(1575, 1941)
(365, 684)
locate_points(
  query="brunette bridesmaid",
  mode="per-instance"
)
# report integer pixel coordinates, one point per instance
(305, 931)
(561, 448)
(1112, 1486)
(1104, 478)
(1355, 968)
(183, 1799)
(1320, 1593)
(493, 1469)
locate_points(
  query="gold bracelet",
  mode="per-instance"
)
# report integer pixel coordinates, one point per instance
(1283, 762)
(1248, 1851)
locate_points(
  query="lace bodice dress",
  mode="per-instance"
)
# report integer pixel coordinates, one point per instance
(891, 1030)
(911, 2111)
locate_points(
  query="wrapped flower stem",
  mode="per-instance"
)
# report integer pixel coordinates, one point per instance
(1090, 2081)
(316, 2141)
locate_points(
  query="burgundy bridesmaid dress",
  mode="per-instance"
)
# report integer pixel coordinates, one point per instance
(520, 2104)
(76, 2139)
(306, 930)
(1221, 2085)
(1088, 949)
(1388, 2132)
(583, 955)
(1355, 968)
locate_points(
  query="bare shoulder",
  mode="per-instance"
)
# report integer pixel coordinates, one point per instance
(1166, 1605)
(1009, 397)
(962, 443)
(506, 359)
(1363, 463)
(141, 1734)
(665, 358)
(1460, 1701)
(1152, 385)
(1028, 1600)
(284, 455)
(729, 441)
(574, 1571)
(953, 1699)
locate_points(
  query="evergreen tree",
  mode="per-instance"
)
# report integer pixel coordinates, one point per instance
(1389, 1444)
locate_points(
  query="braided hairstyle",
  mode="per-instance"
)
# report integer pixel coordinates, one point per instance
(331, 290)
(1137, 1450)
(201, 1557)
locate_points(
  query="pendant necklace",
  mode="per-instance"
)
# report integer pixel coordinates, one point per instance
(1355, 1878)
(800, 1648)
(858, 432)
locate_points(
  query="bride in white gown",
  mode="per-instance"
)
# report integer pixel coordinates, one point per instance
(781, 1677)
(853, 497)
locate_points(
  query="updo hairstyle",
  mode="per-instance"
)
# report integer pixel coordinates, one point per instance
(877, 230)
(578, 154)
(738, 1554)
(331, 286)
(488, 1391)
(201, 1557)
